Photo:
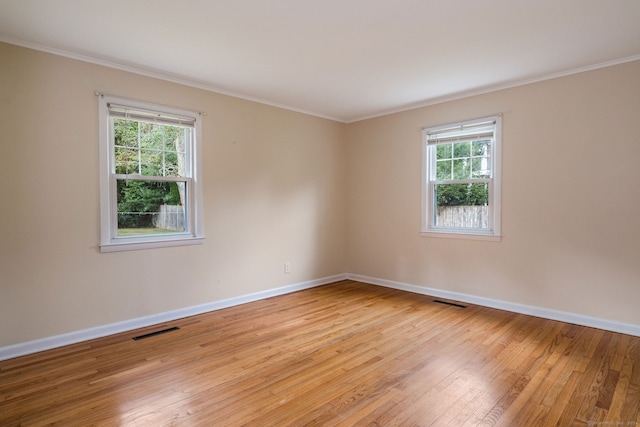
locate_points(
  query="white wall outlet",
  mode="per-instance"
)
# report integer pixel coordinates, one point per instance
(287, 267)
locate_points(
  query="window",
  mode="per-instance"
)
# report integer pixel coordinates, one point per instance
(150, 186)
(461, 183)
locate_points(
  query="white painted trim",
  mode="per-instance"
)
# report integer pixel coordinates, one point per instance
(148, 244)
(109, 241)
(463, 236)
(562, 316)
(428, 228)
(21, 349)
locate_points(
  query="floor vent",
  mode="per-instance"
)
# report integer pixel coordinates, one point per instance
(153, 334)
(449, 303)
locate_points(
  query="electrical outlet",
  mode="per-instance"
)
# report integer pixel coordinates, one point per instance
(287, 267)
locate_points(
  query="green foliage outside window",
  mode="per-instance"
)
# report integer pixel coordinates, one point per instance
(462, 194)
(137, 200)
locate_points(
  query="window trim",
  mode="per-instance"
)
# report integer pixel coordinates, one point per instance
(493, 233)
(109, 242)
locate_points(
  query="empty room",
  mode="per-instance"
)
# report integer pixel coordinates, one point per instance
(336, 213)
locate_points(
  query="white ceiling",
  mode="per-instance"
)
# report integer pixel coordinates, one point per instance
(341, 59)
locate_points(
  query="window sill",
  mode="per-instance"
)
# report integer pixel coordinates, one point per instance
(149, 244)
(463, 236)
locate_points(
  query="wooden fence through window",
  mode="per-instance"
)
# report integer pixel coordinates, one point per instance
(463, 216)
(170, 217)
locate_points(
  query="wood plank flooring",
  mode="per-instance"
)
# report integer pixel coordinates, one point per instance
(345, 354)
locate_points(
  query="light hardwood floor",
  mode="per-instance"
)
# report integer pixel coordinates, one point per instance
(345, 354)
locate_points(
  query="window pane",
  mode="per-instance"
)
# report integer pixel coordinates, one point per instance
(150, 207)
(151, 162)
(462, 205)
(443, 151)
(125, 133)
(481, 167)
(126, 160)
(461, 168)
(174, 164)
(481, 148)
(174, 138)
(443, 169)
(151, 136)
(461, 149)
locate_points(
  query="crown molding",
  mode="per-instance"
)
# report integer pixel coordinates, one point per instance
(158, 74)
(185, 81)
(498, 87)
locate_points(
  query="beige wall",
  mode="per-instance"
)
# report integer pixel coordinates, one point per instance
(570, 192)
(327, 197)
(273, 193)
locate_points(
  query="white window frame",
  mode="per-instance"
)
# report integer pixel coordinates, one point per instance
(109, 240)
(429, 228)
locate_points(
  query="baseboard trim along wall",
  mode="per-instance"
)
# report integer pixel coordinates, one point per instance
(576, 319)
(48, 343)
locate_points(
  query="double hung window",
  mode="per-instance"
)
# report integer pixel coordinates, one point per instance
(150, 181)
(461, 184)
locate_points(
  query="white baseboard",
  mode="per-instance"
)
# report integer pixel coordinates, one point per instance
(576, 319)
(35, 346)
(48, 343)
